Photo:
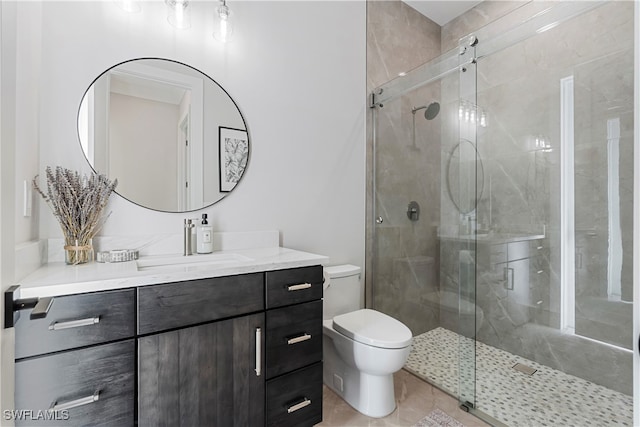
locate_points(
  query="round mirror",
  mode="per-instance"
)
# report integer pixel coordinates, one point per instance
(465, 176)
(173, 137)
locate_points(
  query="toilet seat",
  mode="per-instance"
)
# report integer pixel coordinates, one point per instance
(373, 328)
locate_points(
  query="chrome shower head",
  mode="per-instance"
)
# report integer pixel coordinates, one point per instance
(431, 110)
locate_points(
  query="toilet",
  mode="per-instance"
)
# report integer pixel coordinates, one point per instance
(362, 348)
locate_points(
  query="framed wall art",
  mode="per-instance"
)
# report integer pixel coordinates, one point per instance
(234, 153)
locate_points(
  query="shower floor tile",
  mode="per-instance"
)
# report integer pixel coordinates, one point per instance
(548, 397)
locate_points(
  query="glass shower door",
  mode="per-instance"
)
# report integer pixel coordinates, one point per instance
(465, 195)
(555, 284)
(424, 206)
(504, 222)
(407, 209)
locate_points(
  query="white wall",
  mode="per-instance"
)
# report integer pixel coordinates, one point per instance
(295, 69)
(27, 114)
(7, 190)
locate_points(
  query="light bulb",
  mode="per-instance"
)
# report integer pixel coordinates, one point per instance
(223, 23)
(178, 13)
(131, 6)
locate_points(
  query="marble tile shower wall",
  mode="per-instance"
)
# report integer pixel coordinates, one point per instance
(407, 252)
(398, 40)
(520, 90)
(600, 101)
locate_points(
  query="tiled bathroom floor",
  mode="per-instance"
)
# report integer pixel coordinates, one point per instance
(415, 399)
(547, 398)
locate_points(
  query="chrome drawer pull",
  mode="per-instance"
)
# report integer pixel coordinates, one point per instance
(55, 406)
(301, 338)
(298, 287)
(56, 326)
(297, 406)
(258, 352)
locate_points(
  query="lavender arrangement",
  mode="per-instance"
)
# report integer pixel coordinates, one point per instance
(78, 203)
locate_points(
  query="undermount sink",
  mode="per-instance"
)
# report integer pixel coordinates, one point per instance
(189, 262)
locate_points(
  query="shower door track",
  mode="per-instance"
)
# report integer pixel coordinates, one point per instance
(537, 19)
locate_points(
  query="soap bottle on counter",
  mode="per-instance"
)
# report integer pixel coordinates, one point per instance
(204, 236)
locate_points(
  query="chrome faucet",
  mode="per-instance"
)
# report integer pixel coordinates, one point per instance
(188, 226)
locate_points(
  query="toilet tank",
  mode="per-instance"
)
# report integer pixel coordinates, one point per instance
(343, 290)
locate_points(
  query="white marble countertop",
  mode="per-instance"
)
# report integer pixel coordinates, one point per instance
(55, 279)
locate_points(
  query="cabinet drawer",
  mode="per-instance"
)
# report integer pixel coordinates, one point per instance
(91, 386)
(293, 286)
(537, 246)
(77, 321)
(294, 337)
(174, 305)
(295, 399)
(517, 250)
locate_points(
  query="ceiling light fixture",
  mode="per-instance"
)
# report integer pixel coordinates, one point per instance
(179, 16)
(131, 6)
(178, 13)
(223, 23)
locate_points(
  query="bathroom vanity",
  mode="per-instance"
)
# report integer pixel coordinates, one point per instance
(232, 343)
(511, 269)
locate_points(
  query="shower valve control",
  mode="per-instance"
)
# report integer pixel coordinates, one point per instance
(413, 211)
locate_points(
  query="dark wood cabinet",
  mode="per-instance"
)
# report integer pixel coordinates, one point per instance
(295, 399)
(294, 285)
(206, 375)
(210, 373)
(76, 366)
(210, 352)
(294, 347)
(217, 358)
(180, 304)
(91, 386)
(294, 337)
(76, 321)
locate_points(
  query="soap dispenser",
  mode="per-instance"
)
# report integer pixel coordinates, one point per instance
(204, 238)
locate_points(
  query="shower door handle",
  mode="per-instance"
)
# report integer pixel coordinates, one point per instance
(379, 220)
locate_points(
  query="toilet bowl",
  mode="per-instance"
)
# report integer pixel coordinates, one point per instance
(362, 348)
